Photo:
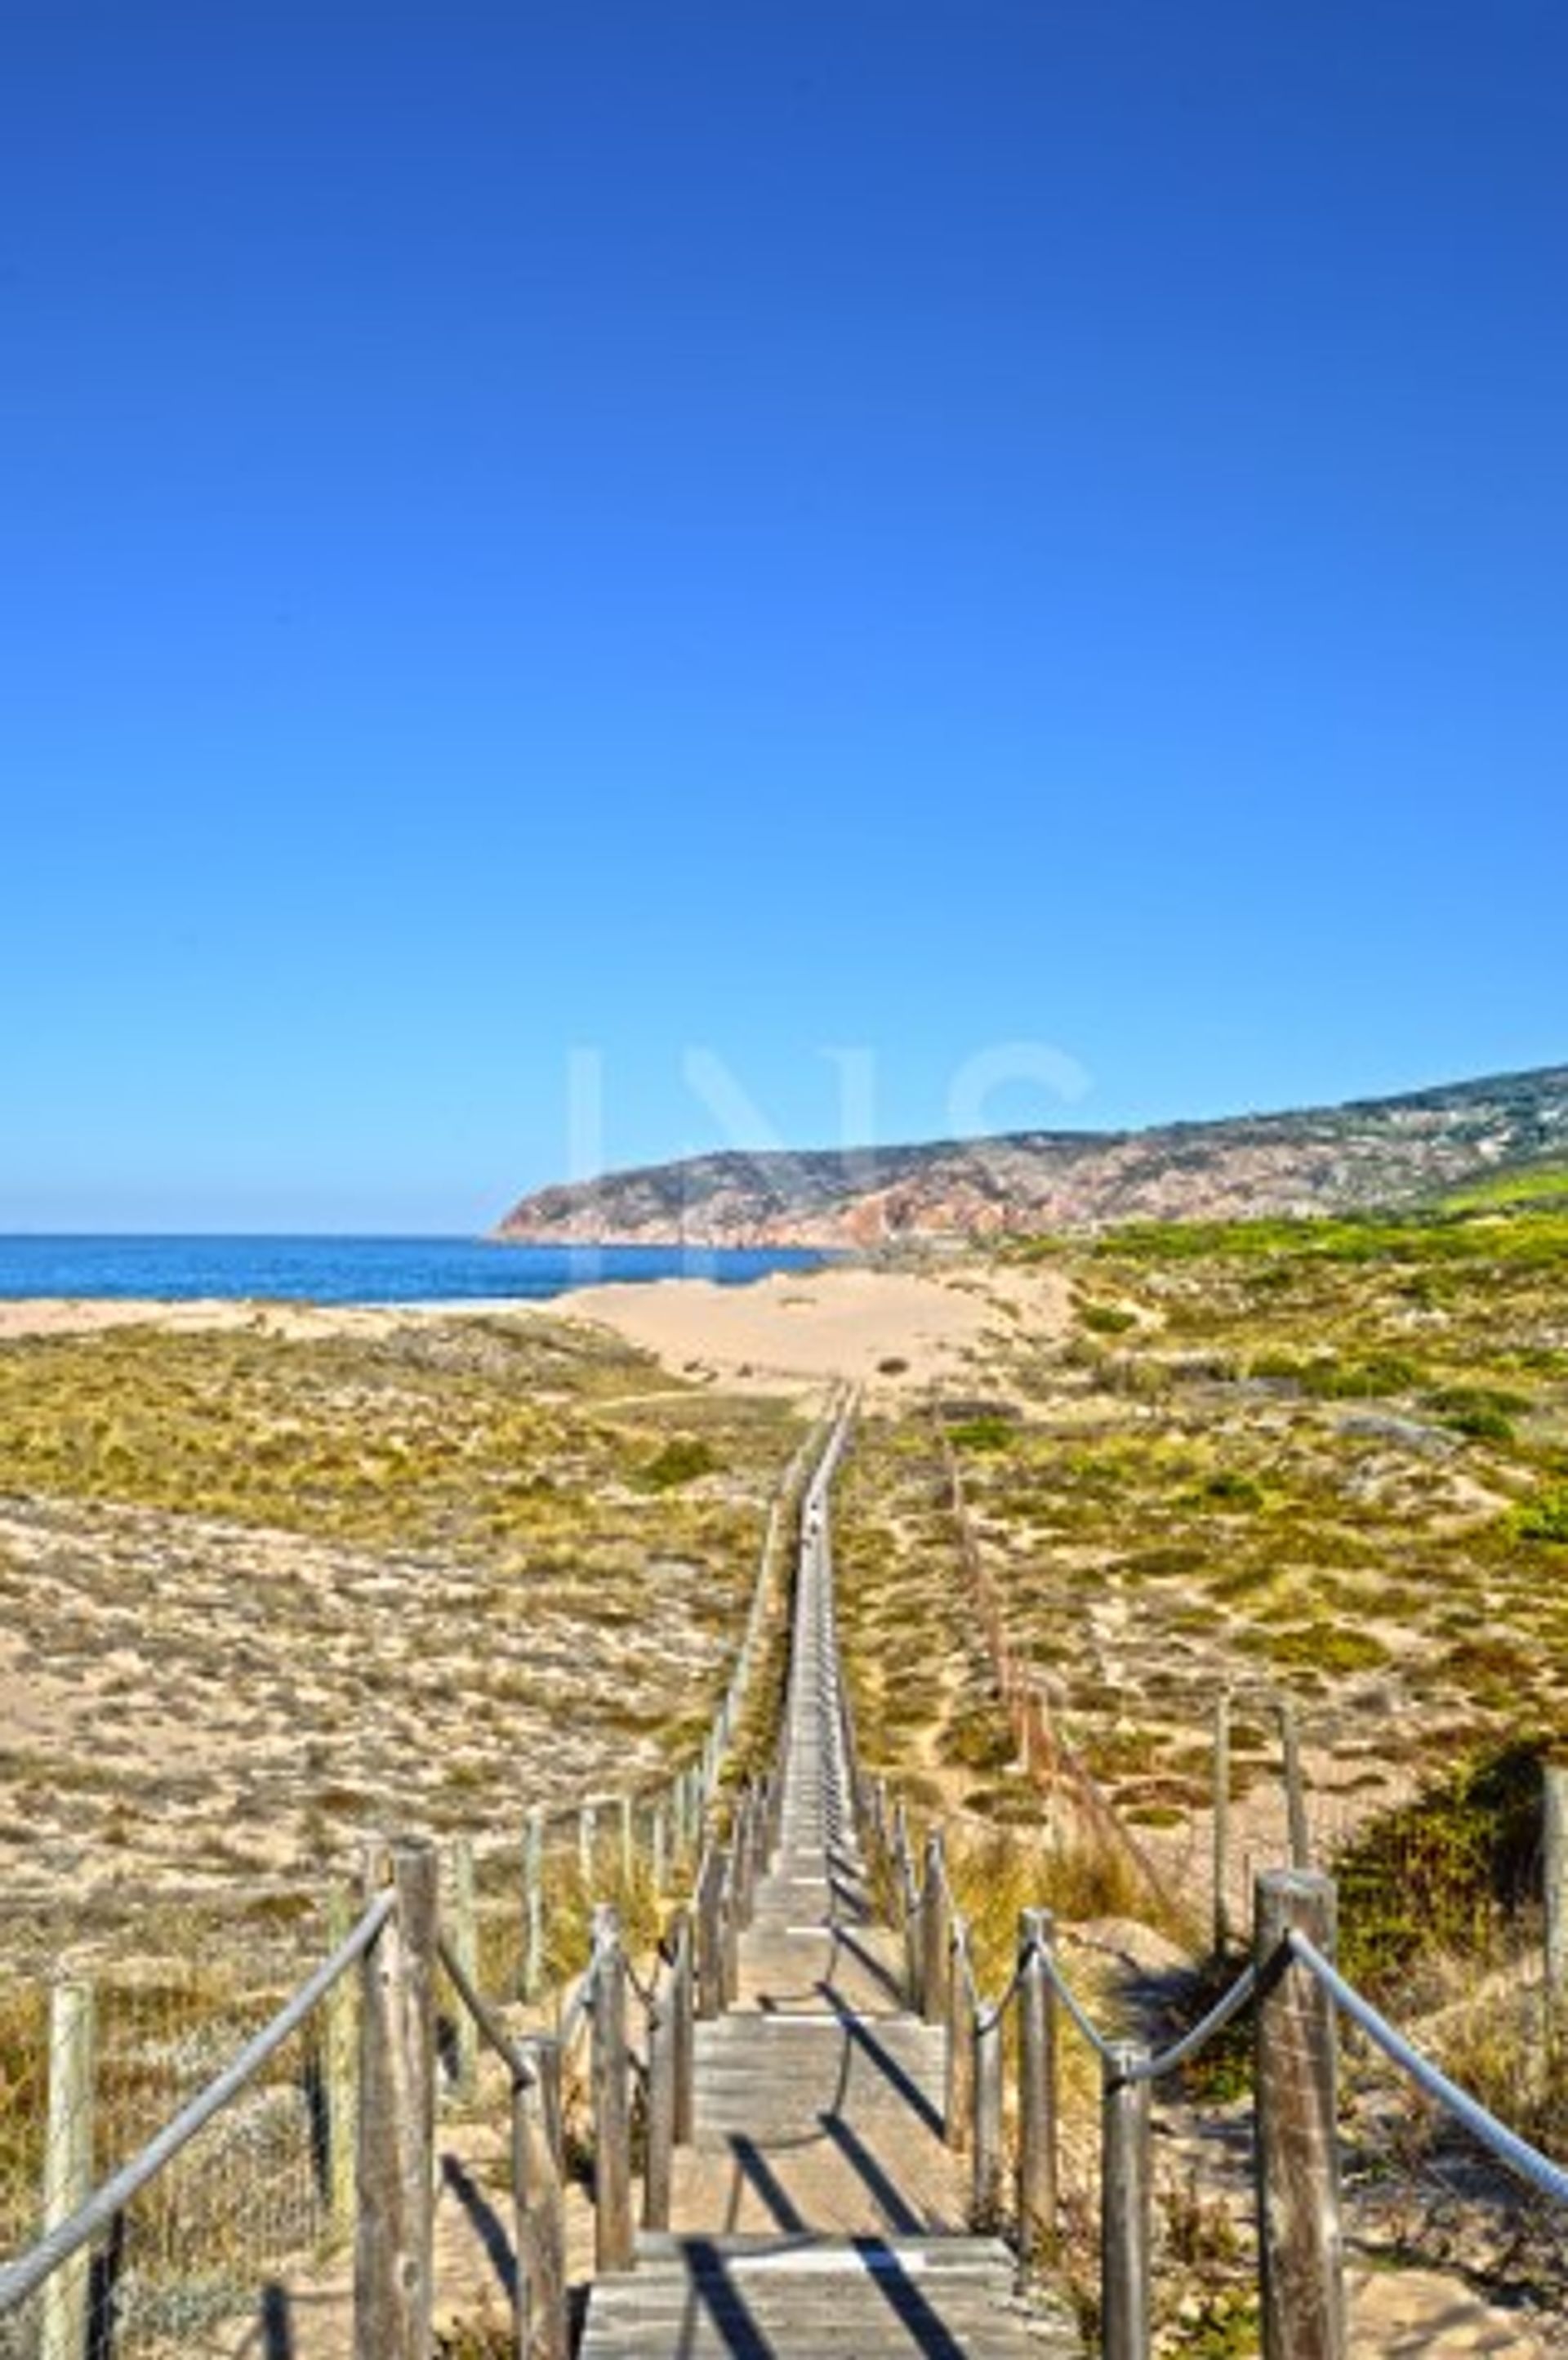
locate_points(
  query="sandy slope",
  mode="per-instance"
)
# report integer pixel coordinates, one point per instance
(840, 1322)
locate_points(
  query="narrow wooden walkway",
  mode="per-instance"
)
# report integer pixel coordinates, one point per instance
(818, 2214)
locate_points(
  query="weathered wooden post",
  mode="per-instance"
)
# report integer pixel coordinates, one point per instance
(663, 2068)
(65, 2296)
(463, 1935)
(958, 2098)
(729, 1924)
(1037, 2090)
(1125, 2181)
(1554, 1883)
(710, 1935)
(904, 1915)
(1220, 1937)
(628, 1845)
(1300, 2252)
(587, 1845)
(340, 2033)
(612, 2098)
(541, 2272)
(682, 2002)
(659, 1845)
(740, 1855)
(393, 2263)
(987, 2169)
(933, 1932)
(1300, 1841)
(532, 1978)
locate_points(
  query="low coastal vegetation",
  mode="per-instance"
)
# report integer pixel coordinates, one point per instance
(267, 1589)
(271, 1586)
(1319, 1468)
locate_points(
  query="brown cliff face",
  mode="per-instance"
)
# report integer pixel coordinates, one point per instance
(1383, 1151)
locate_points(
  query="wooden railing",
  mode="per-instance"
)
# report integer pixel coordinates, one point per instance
(1296, 1996)
(374, 2079)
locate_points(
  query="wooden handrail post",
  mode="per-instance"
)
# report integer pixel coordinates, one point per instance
(65, 2296)
(740, 1856)
(933, 1932)
(662, 2069)
(1220, 1935)
(1125, 2206)
(658, 1846)
(987, 2165)
(1300, 1836)
(612, 2097)
(1037, 2091)
(393, 2260)
(587, 1844)
(958, 2098)
(709, 1936)
(1554, 1894)
(540, 2160)
(531, 1979)
(464, 1934)
(628, 1845)
(683, 2005)
(729, 1925)
(1299, 2251)
(340, 2028)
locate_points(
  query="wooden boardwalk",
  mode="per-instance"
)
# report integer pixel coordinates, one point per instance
(818, 2214)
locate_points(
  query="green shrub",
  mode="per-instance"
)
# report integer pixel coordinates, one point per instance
(1482, 1412)
(682, 1458)
(1544, 1518)
(1322, 1646)
(984, 1434)
(1229, 1489)
(1106, 1318)
(1442, 1873)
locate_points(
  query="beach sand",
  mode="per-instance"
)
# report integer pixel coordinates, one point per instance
(892, 1330)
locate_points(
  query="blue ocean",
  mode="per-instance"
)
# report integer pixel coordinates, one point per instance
(353, 1269)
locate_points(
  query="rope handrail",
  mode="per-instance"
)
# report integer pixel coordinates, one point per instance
(490, 2028)
(966, 1962)
(988, 2019)
(579, 2007)
(1549, 2179)
(21, 2277)
(1105, 2049)
(646, 1992)
(1149, 2069)
(1229, 2004)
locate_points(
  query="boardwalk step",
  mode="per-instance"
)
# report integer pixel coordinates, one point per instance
(823, 2299)
(818, 2116)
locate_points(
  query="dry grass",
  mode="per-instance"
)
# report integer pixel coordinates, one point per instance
(1318, 1461)
(263, 1594)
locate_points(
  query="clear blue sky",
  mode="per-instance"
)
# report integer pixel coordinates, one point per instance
(750, 528)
